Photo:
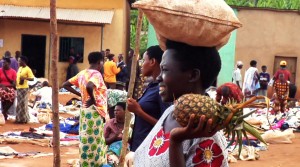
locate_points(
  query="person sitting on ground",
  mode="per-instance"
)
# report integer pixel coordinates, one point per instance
(281, 87)
(113, 129)
(45, 94)
(113, 133)
(229, 92)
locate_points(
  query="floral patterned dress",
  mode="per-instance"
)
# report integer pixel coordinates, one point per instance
(92, 147)
(200, 152)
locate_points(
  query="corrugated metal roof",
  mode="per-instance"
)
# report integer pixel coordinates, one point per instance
(77, 15)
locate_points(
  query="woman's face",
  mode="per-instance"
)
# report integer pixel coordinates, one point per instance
(119, 114)
(146, 66)
(21, 63)
(173, 81)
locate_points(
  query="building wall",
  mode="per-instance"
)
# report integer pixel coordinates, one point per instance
(266, 34)
(114, 34)
(12, 40)
(227, 54)
(73, 4)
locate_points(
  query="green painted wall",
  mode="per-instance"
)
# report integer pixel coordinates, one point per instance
(227, 54)
(151, 36)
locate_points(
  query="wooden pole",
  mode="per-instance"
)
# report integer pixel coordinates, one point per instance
(131, 87)
(54, 60)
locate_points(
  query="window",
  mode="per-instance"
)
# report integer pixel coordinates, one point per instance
(70, 46)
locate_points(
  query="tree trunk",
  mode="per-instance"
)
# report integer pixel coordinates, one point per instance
(54, 60)
(131, 87)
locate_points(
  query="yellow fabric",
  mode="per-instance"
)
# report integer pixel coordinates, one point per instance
(110, 72)
(26, 73)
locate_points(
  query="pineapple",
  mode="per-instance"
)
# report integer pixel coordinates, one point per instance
(229, 116)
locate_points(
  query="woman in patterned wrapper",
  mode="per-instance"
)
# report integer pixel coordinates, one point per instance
(184, 69)
(92, 147)
(7, 83)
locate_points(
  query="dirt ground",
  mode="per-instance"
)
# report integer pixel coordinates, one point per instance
(278, 155)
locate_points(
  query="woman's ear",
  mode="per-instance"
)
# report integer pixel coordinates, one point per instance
(194, 75)
(152, 61)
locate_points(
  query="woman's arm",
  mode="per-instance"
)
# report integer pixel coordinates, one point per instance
(134, 107)
(115, 69)
(90, 90)
(67, 85)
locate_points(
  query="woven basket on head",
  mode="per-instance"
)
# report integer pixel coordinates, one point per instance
(194, 22)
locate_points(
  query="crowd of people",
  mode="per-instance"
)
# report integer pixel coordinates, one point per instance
(256, 83)
(156, 136)
(14, 78)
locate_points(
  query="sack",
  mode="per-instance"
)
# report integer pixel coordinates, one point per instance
(277, 136)
(196, 22)
(44, 118)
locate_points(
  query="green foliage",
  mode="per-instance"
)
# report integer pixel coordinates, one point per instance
(276, 4)
(144, 32)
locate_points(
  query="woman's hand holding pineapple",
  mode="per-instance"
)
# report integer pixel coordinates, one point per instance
(203, 129)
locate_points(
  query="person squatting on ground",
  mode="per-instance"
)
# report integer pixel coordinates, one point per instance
(281, 87)
(24, 75)
(229, 92)
(92, 147)
(184, 69)
(8, 78)
(44, 94)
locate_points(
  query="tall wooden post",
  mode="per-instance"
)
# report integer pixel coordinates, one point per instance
(131, 87)
(54, 60)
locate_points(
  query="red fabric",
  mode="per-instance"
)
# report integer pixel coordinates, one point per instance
(160, 143)
(287, 74)
(11, 74)
(235, 93)
(208, 154)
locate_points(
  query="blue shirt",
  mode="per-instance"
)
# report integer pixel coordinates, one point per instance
(151, 104)
(264, 79)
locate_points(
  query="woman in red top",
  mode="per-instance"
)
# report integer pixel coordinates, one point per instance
(7, 83)
(229, 92)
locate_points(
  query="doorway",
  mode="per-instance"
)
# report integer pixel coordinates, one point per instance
(34, 48)
(291, 65)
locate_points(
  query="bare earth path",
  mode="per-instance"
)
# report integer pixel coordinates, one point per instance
(278, 155)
